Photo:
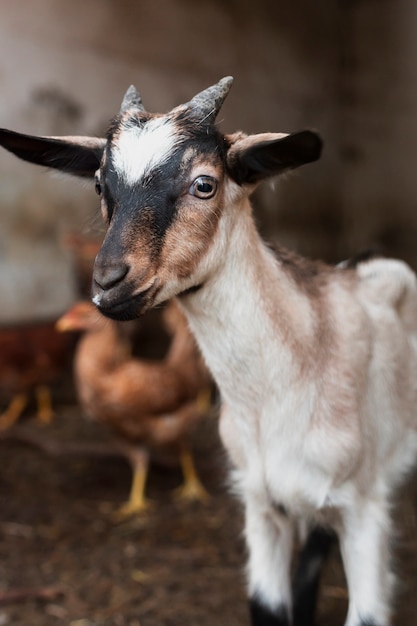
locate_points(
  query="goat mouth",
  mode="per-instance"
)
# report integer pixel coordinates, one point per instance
(127, 309)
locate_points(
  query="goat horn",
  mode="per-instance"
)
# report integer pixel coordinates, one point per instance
(207, 103)
(132, 100)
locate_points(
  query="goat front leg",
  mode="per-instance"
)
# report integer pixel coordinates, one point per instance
(364, 542)
(269, 537)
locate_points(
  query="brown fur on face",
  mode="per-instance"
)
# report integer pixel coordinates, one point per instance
(187, 239)
(194, 228)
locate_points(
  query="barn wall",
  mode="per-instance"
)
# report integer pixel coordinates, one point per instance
(345, 68)
(378, 125)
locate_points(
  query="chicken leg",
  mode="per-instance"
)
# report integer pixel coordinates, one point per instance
(45, 412)
(137, 502)
(15, 409)
(192, 488)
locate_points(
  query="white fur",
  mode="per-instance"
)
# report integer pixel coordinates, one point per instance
(140, 149)
(271, 540)
(365, 550)
(96, 300)
(330, 442)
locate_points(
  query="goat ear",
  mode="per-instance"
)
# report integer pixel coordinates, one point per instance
(80, 156)
(255, 157)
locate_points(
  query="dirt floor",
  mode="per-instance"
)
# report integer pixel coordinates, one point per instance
(64, 561)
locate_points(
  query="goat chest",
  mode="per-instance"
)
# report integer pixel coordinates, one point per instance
(275, 465)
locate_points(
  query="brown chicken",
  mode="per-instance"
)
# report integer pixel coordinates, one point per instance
(151, 407)
(32, 357)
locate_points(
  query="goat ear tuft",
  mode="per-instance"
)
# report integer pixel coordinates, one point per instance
(132, 100)
(205, 106)
(80, 156)
(256, 157)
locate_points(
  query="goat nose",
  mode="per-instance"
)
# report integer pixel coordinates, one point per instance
(108, 276)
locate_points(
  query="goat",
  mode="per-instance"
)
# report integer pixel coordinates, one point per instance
(316, 365)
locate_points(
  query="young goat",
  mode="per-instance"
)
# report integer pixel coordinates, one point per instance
(317, 366)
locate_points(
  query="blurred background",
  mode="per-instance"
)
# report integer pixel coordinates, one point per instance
(347, 68)
(344, 67)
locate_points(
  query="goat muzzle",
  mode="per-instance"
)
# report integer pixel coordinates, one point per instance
(121, 301)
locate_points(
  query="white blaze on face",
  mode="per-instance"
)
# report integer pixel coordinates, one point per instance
(139, 149)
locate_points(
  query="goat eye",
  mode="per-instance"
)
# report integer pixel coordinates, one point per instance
(203, 187)
(98, 188)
